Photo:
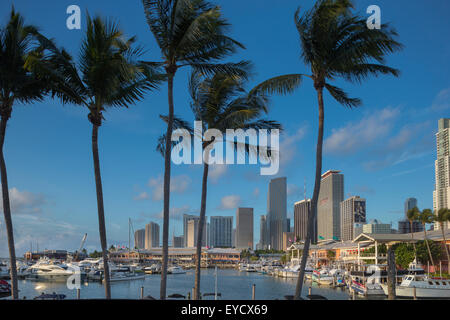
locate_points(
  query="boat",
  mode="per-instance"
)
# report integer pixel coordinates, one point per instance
(5, 289)
(175, 270)
(4, 271)
(50, 270)
(125, 273)
(50, 296)
(154, 268)
(424, 287)
(247, 267)
(322, 277)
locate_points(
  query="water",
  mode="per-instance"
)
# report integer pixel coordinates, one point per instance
(232, 284)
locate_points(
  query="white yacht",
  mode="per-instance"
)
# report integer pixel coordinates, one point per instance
(425, 287)
(4, 271)
(175, 270)
(45, 270)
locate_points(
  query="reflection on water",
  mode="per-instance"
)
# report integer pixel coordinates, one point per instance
(232, 284)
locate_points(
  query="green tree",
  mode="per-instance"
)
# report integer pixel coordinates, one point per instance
(335, 44)
(18, 84)
(189, 33)
(442, 217)
(426, 217)
(108, 75)
(413, 215)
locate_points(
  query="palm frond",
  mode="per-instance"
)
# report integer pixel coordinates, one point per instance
(341, 96)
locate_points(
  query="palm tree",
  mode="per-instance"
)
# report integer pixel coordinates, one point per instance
(442, 217)
(425, 217)
(221, 102)
(413, 215)
(17, 85)
(189, 33)
(108, 75)
(335, 44)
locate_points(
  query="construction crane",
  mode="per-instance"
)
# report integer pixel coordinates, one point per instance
(81, 246)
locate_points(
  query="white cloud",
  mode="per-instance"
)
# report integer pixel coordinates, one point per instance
(442, 101)
(357, 135)
(142, 196)
(216, 171)
(178, 184)
(24, 202)
(230, 202)
(176, 213)
(288, 145)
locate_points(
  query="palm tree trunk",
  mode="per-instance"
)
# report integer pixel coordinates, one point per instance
(428, 247)
(165, 240)
(412, 237)
(313, 213)
(445, 245)
(101, 211)
(7, 209)
(201, 223)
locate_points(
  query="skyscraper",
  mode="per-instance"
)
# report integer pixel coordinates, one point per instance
(192, 233)
(186, 218)
(276, 212)
(177, 242)
(151, 235)
(221, 231)
(441, 194)
(405, 226)
(244, 228)
(353, 215)
(301, 214)
(139, 239)
(328, 209)
(410, 203)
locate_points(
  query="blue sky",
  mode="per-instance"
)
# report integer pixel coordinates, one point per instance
(385, 149)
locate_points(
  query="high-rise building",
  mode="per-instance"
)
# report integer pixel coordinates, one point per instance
(405, 226)
(192, 233)
(221, 231)
(151, 235)
(276, 212)
(139, 239)
(410, 203)
(441, 193)
(353, 211)
(376, 227)
(328, 209)
(233, 238)
(301, 214)
(288, 225)
(263, 236)
(178, 242)
(186, 218)
(244, 228)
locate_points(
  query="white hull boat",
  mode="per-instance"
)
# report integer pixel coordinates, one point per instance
(424, 287)
(175, 270)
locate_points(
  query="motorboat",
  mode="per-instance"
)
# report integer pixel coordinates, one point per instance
(322, 277)
(369, 289)
(175, 270)
(125, 273)
(4, 271)
(46, 269)
(154, 268)
(424, 287)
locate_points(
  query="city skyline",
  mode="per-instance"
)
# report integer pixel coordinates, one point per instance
(53, 199)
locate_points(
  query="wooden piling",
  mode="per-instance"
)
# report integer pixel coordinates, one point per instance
(391, 274)
(253, 292)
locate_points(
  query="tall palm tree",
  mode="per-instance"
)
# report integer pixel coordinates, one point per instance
(189, 33)
(413, 216)
(108, 75)
(17, 85)
(442, 217)
(335, 44)
(221, 102)
(426, 217)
